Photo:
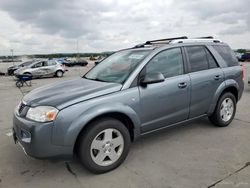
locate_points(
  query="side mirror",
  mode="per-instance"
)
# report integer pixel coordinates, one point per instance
(152, 77)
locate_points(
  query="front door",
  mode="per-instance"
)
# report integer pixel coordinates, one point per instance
(36, 69)
(167, 102)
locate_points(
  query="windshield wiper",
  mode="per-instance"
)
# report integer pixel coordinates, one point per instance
(95, 79)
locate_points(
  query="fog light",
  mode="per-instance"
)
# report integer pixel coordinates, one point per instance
(25, 136)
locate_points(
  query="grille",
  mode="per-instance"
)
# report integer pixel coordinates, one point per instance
(21, 107)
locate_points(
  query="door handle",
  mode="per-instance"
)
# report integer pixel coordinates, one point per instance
(182, 85)
(217, 77)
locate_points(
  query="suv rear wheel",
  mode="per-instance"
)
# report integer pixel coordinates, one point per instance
(104, 145)
(224, 111)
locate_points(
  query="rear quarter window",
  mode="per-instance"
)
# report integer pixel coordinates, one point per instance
(51, 62)
(227, 54)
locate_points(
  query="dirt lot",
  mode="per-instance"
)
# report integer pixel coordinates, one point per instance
(190, 156)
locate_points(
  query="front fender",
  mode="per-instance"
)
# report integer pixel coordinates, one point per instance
(71, 132)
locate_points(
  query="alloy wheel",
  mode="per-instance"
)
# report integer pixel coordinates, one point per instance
(107, 147)
(226, 109)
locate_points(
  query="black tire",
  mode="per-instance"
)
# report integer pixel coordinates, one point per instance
(216, 117)
(19, 84)
(10, 72)
(59, 73)
(89, 135)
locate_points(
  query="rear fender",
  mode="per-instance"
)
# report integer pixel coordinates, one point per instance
(224, 85)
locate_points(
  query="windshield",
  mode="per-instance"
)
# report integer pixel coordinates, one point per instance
(27, 63)
(117, 67)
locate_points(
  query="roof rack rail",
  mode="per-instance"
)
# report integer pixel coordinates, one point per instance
(208, 37)
(165, 40)
(175, 40)
(159, 41)
(196, 40)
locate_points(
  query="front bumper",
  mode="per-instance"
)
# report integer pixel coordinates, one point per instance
(35, 139)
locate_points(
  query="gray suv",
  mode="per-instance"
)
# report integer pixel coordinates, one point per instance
(133, 92)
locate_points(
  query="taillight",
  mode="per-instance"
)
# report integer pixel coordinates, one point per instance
(242, 72)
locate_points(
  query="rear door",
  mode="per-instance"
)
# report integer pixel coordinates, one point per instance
(232, 70)
(205, 75)
(51, 67)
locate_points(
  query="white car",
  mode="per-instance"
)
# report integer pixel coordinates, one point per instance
(43, 68)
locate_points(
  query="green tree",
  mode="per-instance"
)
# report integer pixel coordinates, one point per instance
(241, 51)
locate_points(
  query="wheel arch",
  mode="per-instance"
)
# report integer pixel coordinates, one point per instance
(27, 72)
(125, 119)
(227, 86)
(232, 90)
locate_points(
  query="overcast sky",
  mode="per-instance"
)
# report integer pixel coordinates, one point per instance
(52, 26)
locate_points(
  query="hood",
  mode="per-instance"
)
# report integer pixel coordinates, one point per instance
(63, 94)
(20, 70)
(13, 67)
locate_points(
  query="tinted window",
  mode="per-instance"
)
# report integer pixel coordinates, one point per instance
(211, 61)
(40, 64)
(227, 54)
(197, 58)
(45, 63)
(168, 62)
(51, 62)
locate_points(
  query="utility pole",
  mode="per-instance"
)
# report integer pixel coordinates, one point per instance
(77, 56)
(11, 50)
(77, 50)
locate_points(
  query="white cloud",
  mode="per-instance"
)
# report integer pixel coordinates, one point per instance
(45, 26)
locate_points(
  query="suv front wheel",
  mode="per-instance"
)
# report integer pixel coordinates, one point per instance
(104, 145)
(224, 111)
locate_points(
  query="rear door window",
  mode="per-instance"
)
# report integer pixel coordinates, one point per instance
(37, 65)
(197, 58)
(51, 62)
(227, 54)
(45, 63)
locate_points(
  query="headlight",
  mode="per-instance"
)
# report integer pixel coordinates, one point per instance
(17, 72)
(18, 106)
(42, 113)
